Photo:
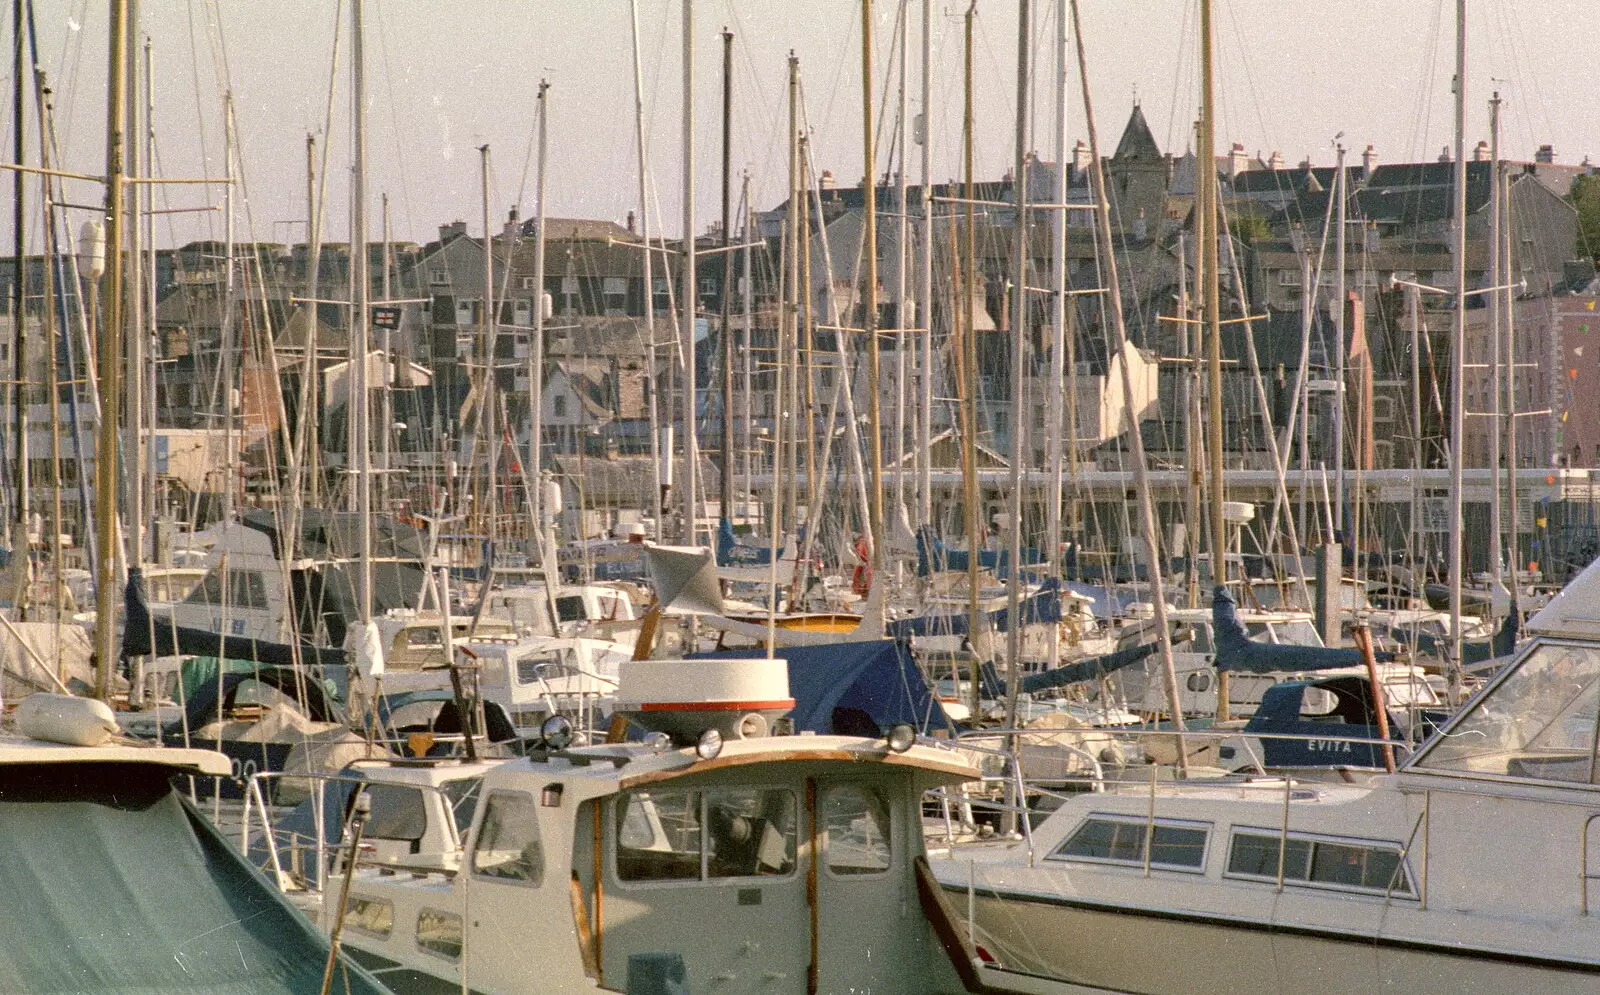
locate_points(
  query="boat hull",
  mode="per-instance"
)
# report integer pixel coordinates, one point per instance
(1055, 945)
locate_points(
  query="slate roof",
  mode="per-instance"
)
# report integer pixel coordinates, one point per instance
(1137, 142)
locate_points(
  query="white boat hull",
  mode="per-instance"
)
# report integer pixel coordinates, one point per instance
(1054, 946)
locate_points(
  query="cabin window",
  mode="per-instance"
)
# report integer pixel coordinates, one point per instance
(462, 796)
(373, 916)
(423, 637)
(1537, 722)
(439, 932)
(569, 608)
(658, 836)
(1348, 864)
(398, 813)
(508, 846)
(1179, 846)
(857, 821)
(703, 835)
(246, 589)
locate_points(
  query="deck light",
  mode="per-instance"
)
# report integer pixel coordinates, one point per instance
(556, 731)
(709, 745)
(902, 736)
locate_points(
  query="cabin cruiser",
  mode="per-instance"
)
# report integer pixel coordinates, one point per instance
(1454, 874)
(756, 863)
(125, 887)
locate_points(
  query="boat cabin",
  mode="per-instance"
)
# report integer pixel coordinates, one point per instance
(578, 860)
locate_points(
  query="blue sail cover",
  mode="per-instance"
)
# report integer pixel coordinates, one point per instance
(730, 553)
(876, 679)
(1091, 669)
(1043, 606)
(1502, 643)
(1237, 651)
(933, 557)
(146, 635)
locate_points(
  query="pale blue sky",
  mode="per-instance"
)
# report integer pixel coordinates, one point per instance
(446, 77)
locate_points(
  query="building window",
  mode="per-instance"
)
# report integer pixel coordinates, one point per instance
(437, 277)
(528, 283)
(616, 295)
(558, 406)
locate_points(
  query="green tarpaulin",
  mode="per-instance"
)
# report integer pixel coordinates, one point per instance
(111, 883)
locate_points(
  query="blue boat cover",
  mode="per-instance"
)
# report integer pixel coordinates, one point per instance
(1091, 669)
(1043, 605)
(933, 557)
(146, 635)
(837, 685)
(730, 553)
(1237, 651)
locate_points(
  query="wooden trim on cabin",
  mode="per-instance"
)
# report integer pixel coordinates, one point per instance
(952, 767)
(580, 921)
(942, 917)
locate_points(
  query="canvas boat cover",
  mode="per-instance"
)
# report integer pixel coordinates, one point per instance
(1237, 651)
(839, 688)
(144, 634)
(116, 885)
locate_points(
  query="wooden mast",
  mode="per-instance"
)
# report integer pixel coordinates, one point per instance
(869, 322)
(725, 471)
(110, 358)
(1141, 474)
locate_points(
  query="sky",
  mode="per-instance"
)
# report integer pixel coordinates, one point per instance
(444, 77)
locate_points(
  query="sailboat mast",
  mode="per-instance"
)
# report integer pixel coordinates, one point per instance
(360, 291)
(657, 457)
(691, 454)
(969, 365)
(1141, 473)
(747, 308)
(110, 358)
(902, 221)
(1458, 338)
(925, 282)
(310, 416)
(19, 230)
(536, 350)
(1495, 471)
(134, 442)
(1058, 323)
(1509, 409)
(230, 306)
(1341, 198)
(869, 322)
(148, 333)
(1019, 337)
(725, 472)
(386, 346)
(1210, 289)
(486, 329)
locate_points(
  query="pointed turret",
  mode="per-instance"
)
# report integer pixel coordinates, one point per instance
(1137, 141)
